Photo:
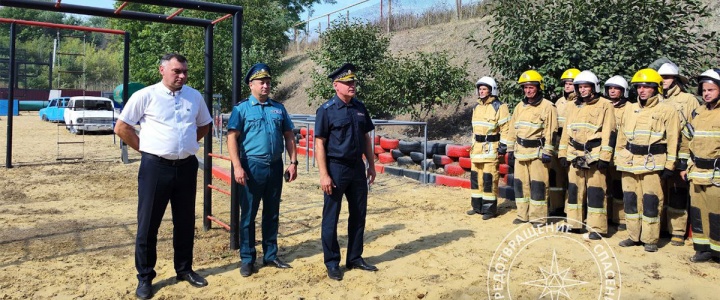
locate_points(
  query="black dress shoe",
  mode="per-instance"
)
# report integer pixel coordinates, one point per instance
(362, 265)
(144, 290)
(193, 279)
(246, 269)
(277, 263)
(334, 273)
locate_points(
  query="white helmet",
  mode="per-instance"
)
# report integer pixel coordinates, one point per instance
(671, 69)
(711, 75)
(489, 82)
(587, 77)
(617, 81)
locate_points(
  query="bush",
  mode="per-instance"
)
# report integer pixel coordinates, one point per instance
(414, 84)
(607, 37)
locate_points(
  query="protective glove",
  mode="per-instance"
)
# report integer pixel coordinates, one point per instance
(511, 158)
(602, 165)
(564, 162)
(546, 158)
(681, 164)
(666, 174)
(502, 149)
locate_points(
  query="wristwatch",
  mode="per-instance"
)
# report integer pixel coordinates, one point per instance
(294, 162)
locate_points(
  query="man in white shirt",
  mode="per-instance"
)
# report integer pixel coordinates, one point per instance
(173, 118)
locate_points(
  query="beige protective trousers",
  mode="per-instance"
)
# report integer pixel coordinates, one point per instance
(643, 198)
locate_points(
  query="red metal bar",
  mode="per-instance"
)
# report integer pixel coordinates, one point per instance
(57, 4)
(177, 12)
(219, 156)
(61, 26)
(226, 226)
(221, 18)
(219, 189)
(122, 6)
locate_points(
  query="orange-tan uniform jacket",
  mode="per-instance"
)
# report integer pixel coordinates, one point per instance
(704, 146)
(685, 104)
(490, 122)
(562, 104)
(653, 128)
(589, 127)
(532, 124)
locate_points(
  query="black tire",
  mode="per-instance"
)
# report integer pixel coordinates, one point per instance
(428, 164)
(44, 118)
(417, 157)
(440, 148)
(405, 161)
(510, 179)
(437, 160)
(396, 154)
(430, 150)
(296, 131)
(507, 192)
(407, 147)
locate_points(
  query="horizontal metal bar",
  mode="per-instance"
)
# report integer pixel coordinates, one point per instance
(61, 26)
(104, 12)
(216, 220)
(194, 5)
(63, 143)
(219, 189)
(69, 158)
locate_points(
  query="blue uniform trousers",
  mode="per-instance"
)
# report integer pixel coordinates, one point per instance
(264, 183)
(351, 181)
(161, 181)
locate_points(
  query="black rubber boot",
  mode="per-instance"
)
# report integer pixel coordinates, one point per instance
(476, 204)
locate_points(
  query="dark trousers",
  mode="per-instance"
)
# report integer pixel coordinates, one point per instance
(160, 181)
(350, 181)
(264, 183)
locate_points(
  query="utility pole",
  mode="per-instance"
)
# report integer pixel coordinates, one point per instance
(458, 4)
(389, 15)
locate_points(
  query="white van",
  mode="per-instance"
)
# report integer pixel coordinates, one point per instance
(87, 113)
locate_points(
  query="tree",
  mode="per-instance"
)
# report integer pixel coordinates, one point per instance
(608, 37)
(265, 23)
(415, 84)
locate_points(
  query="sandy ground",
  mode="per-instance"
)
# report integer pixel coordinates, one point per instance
(68, 232)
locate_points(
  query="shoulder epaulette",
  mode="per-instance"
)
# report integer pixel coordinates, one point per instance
(241, 101)
(328, 104)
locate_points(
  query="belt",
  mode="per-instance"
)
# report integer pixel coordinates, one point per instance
(588, 146)
(705, 163)
(169, 162)
(531, 143)
(645, 150)
(487, 138)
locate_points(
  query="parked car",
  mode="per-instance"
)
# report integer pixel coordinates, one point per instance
(55, 110)
(86, 113)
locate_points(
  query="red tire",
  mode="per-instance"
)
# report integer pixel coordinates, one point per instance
(389, 144)
(385, 158)
(379, 149)
(304, 131)
(441, 160)
(303, 143)
(457, 151)
(454, 169)
(465, 163)
(377, 140)
(503, 169)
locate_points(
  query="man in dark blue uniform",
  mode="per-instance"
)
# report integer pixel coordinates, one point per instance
(341, 138)
(256, 130)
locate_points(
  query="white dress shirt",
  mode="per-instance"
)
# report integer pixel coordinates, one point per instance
(168, 120)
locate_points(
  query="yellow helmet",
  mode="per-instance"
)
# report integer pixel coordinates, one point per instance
(569, 74)
(531, 77)
(648, 77)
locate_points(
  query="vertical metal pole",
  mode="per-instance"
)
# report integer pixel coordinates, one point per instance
(50, 78)
(11, 97)
(424, 165)
(236, 80)
(207, 160)
(126, 87)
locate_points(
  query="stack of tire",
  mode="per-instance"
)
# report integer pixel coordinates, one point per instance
(408, 153)
(455, 160)
(302, 140)
(507, 179)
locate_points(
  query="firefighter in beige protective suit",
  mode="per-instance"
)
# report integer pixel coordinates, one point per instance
(677, 195)
(558, 174)
(616, 90)
(585, 144)
(646, 153)
(532, 128)
(489, 124)
(701, 140)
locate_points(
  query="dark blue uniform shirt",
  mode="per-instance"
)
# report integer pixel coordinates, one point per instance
(261, 127)
(344, 127)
